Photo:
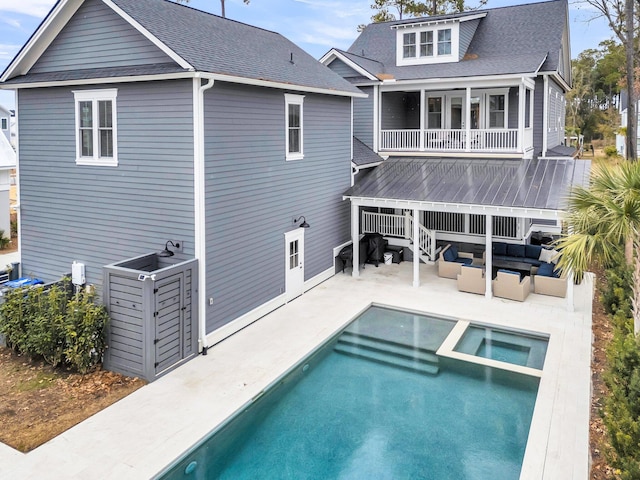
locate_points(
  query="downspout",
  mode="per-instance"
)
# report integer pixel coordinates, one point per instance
(200, 205)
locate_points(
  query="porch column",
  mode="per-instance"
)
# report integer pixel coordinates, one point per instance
(416, 248)
(488, 262)
(355, 239)
(422, 119)
(521, 110)
(467, 121)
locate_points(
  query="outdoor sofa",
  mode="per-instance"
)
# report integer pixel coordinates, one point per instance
(450, 261)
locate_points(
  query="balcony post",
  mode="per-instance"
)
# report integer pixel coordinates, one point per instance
(521, 110)
(488, 257)
(422, 119)
(467, 121)
(355, 239)
(416, 248)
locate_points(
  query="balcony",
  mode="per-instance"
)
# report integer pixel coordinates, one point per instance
(454, 140)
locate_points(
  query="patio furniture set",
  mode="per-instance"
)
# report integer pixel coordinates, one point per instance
(516, 268)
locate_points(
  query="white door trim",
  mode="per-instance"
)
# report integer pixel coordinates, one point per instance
(294, 263)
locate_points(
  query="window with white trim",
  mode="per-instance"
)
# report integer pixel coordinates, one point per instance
(5, 123)
(294, 126)
(409, 45)
(96, 132)
(434, 112)
(497, 111)
(430, 44)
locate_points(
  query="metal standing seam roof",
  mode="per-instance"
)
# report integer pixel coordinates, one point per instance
(508, 40)
(542, 184)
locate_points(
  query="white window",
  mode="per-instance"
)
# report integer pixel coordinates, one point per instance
(5, 123)
(426, 44)
(409, 45)
(497, 111)
(96, 132)
(444, 42)
(294, 128)
(434, 112)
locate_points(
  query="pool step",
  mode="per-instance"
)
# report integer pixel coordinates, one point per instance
(388, 353)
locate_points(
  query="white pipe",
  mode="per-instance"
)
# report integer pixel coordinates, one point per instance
(200, 206)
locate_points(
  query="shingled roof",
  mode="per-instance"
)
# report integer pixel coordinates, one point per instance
(508, 40)
(217, 45)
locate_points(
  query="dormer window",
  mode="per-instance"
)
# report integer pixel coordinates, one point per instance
(433, 43)
(409, 47)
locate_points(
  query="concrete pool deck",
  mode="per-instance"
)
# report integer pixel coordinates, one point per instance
(143, 433)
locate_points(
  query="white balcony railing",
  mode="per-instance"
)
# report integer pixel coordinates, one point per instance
(479, 140)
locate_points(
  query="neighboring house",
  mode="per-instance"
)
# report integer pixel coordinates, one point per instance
(143, 121)
(469, 111)
(621, 140)
(5, 122)
(7, 164)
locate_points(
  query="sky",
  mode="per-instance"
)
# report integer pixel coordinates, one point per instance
(314, 25)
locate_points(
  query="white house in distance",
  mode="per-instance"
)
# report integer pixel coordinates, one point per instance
(7, 163)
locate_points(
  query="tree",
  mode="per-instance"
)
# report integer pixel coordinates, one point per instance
(413, 8)
(603, 219)
(621, 16)
(222, 12)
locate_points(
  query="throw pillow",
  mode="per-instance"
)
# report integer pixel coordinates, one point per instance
(546, 255)
(545, 270)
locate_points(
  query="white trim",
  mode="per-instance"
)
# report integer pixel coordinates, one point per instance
(519, 212)
(545, 115)
(149, 36)
(333, 54)
(95, 96)
(488, 81)
(18, 191)
(48, 30)
(199, 187)
(435, 58)
(177, 75)
(440, 22)
(376, 118)
(292, 99)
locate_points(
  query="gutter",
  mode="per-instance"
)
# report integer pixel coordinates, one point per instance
(200, 204)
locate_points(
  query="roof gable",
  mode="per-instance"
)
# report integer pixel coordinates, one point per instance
(97, 37)
(197, 41)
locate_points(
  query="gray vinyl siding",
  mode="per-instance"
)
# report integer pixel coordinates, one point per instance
(538, 115)
(555, 115)
(363, 117)
(96, 37)
(344, 70)
(253, 194)
(467, 31)
(512, 115)
(102, 215)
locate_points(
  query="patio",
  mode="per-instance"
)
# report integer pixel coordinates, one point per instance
(140, 435)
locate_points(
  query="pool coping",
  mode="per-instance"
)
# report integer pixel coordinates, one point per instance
(143, 433)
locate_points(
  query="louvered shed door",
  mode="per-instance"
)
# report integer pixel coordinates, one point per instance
(169, 299)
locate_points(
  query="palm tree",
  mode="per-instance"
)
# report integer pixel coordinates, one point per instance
(602, 219)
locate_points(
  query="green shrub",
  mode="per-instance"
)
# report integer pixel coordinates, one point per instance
(55, 325)
(610, 151)
(616, 296)
(4, 241)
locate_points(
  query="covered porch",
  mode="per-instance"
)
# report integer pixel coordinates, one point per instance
(488, 188)
(487, 118)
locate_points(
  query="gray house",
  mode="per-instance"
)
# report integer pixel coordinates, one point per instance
(468, 112)
(146, 121)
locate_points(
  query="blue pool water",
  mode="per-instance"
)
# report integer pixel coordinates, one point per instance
(368, 407)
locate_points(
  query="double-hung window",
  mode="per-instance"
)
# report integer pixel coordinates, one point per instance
(444, 42)
(426, 44)
(294, 126)
(96, 132)
(409, 45)
(496, 111)
(5, 123)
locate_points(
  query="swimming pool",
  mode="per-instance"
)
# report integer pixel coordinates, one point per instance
(376, 402)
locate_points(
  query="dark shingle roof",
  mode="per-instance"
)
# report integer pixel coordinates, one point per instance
(530, 184)
(217, 45)
(363, 155)
(508, 40)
